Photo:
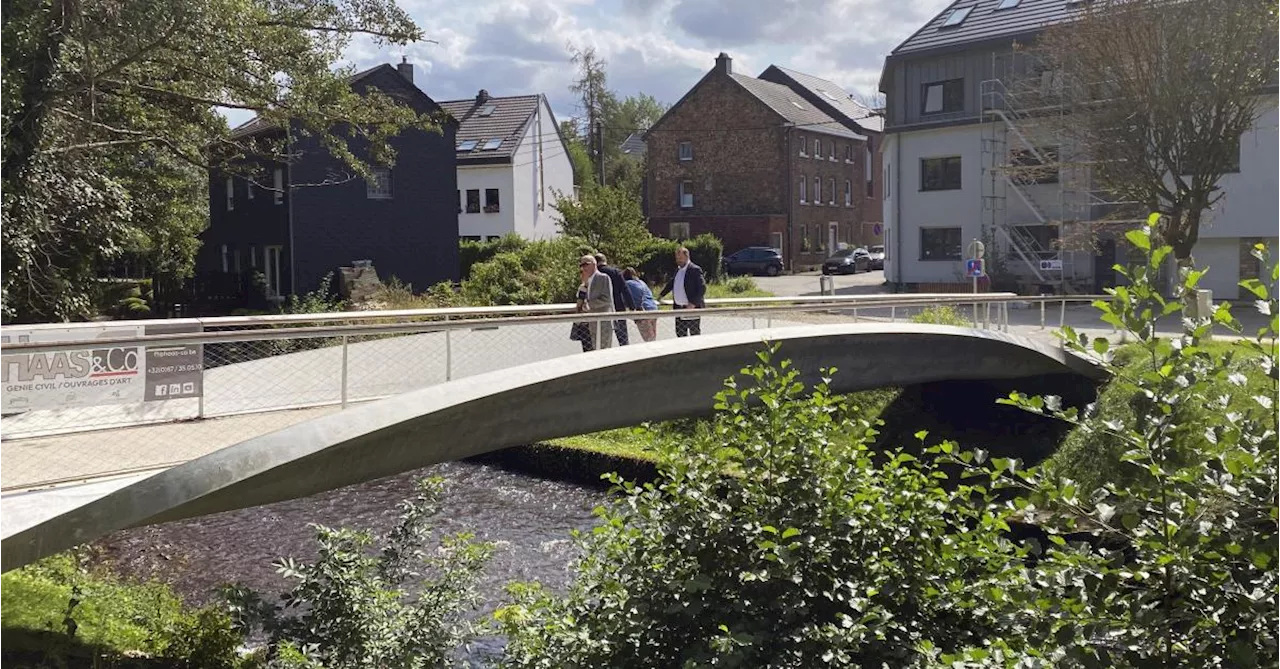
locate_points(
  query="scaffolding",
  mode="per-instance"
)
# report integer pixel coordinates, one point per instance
(1048, 238)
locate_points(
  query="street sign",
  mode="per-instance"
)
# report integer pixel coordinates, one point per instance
(977, 249)
(975, 268)
(1054, 265)
(877, 229)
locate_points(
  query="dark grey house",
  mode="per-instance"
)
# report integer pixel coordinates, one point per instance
(404, 219)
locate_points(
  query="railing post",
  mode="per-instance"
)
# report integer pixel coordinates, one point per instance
(855, 314)
(448, 355)
(1041, 314)
(893, 314)
(1062, 314)
(344, 370)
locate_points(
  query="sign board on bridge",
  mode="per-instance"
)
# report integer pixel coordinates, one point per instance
(1054, 265)
(78, 378)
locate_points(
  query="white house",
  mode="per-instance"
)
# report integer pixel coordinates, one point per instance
(964, 160)
(512, 163)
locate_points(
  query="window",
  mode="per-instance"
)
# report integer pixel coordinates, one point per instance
(278, 185)
(686, 150)
(943, 97)
(226, 258)
(1007, 4)
(248, 188)
(486, 110)
(467, 145)
(471, 238)
(1035, 171)
(378, 187)
(940, 243)
(804, 238)
(940, 173)
(803, 185)
(231, 194)
(679, 231)
(775, 241)
(491, 201)
(271, 260)
(803, 145)
(831, 191)
(686, 195)
(848, 193)
(491, 144)
(253, 256)
(848, 153)
(817, 190)
(473, 200)
(817, 148)
(957, 16)
(831, 150)
(870, 173)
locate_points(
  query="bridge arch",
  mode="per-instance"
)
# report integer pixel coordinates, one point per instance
(580, 394)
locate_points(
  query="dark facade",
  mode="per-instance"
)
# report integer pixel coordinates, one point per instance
(727, 160)
(296, 232)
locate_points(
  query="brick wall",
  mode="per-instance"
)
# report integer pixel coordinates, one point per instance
(736, 232)
(812, 220)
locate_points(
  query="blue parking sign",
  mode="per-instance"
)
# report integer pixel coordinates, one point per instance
(975, 268)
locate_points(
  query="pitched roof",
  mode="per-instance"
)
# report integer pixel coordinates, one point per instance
(257, 124)
(634, 144)
(986, 21)
(506, 122)
(795, 109)
(838, 97)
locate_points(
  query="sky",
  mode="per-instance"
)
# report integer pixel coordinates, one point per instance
(658, 47)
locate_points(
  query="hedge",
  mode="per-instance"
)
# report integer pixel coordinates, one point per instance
(658, 263)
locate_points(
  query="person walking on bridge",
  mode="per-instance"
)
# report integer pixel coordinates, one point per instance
(621, 296)
(643, 298)
(595, 296)
(689, 290)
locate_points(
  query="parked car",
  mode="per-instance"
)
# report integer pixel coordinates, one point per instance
(754, 260)
(876, 258)
(847, 261)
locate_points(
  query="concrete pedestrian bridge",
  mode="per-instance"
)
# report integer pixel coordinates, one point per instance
(619, 387)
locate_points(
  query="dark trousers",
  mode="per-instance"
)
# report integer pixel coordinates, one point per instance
(687, 327)
(620, 331)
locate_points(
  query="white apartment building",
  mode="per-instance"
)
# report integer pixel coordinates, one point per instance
(512, 166)
(953, 129)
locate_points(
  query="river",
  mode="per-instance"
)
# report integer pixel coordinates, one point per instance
(529, 519)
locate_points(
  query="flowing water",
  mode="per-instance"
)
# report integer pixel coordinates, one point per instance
(529, 519)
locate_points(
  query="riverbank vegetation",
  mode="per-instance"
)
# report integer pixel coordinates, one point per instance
(832, 549)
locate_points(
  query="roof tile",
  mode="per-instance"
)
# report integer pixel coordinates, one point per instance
(511, 115)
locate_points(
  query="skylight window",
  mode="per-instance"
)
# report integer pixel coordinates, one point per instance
(491, 144)
(957, 17)
(827, 94)
(467, 145)
(797, 104)
(1008, 4)
(487, 110)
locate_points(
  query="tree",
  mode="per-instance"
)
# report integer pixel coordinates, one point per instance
(608, 219)
(579, 155)
(592, 91)
(96, 93)
(1157, 96)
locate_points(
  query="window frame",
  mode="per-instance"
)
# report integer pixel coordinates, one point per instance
(945, 256)
(848, 193)
(804, 189)
(682, 193)
(804, 146)
(817, 148)
(673, 227)
(494, 206)
(925, 186)
(477, 208)
(831, 151)
(379, 186)
(685, 156)
(817, 190)
(831, 188)
(948, 90)
(231, 194)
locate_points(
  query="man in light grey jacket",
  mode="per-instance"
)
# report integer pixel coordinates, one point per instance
(598, 300)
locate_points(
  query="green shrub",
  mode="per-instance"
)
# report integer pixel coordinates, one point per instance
(472, 253)
(774, 538)
(942, 314)
(133, 308)
(541, 272)
(657, 257)
(352, 607)
(706, 252)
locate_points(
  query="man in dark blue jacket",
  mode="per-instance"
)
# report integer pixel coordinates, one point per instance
(689, 291)
(621, 297)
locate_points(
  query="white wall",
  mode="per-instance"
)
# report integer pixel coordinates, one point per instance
(536, 218)
(1248, 207)
(908, 209)
(481, 177)
(1222, 257)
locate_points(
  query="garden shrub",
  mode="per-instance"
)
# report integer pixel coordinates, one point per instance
(657, 257)
(540, 272)
(471, 253)
(942, 314)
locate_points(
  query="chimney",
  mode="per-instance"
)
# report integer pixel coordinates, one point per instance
(724, 64)
(406, 68)
(482, 97)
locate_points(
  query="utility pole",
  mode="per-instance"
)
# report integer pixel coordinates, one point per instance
(600, 152)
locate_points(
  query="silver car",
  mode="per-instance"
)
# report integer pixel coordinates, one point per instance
(875, 258)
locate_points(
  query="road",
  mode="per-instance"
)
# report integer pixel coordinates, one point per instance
(806, 283)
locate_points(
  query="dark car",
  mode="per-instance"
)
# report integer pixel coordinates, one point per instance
(847, 261)
(754, 260)
(876, 259)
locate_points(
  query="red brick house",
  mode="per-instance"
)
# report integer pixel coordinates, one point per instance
(757, 163)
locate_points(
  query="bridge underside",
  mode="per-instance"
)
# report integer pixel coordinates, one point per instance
(556, 398)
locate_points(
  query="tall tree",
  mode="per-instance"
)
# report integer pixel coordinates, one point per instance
(98, 92)
(592, 90)
(609, 219)
(1158, 94)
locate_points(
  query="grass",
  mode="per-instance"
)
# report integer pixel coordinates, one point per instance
(736, 286)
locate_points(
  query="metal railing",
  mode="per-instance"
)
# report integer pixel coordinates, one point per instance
(290, 368)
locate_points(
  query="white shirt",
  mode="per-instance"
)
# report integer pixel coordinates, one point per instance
(678, 294)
